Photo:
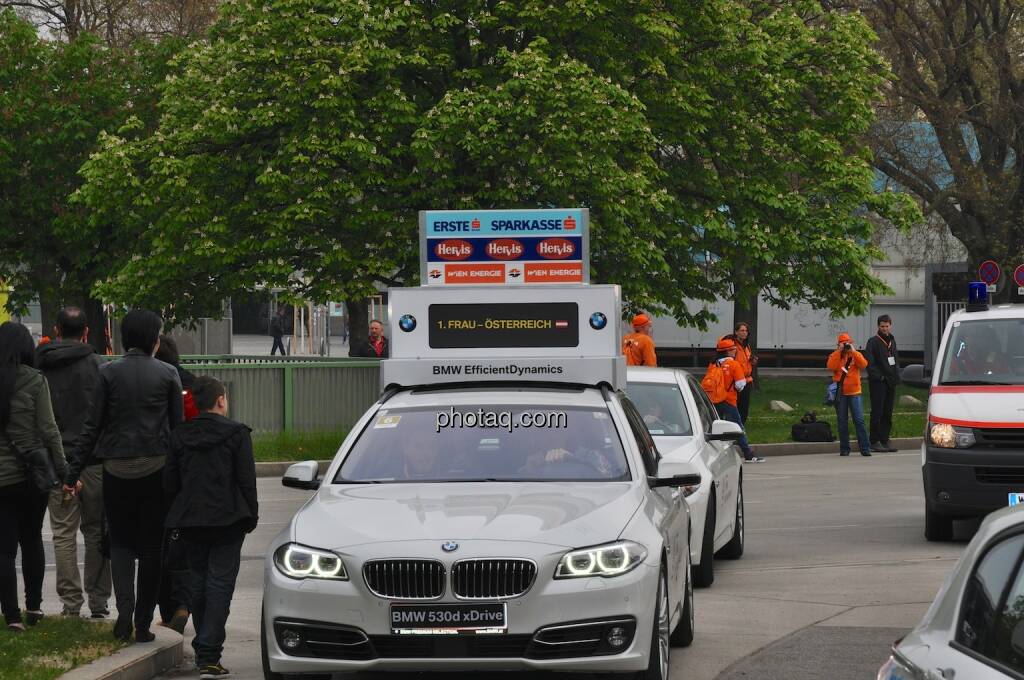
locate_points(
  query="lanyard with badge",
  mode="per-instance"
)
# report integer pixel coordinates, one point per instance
(888, 348)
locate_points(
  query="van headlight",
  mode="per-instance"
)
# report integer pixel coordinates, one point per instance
(604, 560)
(299, 562)
(946, 436)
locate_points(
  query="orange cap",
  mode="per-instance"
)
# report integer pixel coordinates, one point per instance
(725, 344)
(845, 337)
(640, 320)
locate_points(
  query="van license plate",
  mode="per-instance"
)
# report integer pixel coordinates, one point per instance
(1016, 498)
(448, 619)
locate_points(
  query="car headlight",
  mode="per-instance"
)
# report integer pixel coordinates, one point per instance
(299, 562)
(898, 668)
(946, 436)
(605, 560)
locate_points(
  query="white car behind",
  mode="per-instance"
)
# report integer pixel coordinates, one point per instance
(686, 427)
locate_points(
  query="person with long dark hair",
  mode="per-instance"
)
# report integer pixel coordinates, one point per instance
(174, 600)
(748, 361)
(137, 402)
(26, 424)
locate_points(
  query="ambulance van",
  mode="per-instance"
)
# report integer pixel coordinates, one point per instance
(972, 456)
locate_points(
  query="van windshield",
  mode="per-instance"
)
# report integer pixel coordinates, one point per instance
(486, 443)
(984, 352)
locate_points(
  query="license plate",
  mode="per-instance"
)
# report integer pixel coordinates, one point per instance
(448, 619)
(1016, 498)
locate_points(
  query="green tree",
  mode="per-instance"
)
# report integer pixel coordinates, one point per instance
(54, 100)
(952, 130)
(295, 148)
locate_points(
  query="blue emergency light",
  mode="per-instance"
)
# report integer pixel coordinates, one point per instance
(977, 296)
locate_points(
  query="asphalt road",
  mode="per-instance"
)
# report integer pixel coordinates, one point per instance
(836, 568)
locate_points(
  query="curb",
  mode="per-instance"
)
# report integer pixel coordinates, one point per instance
(781, 449)
(136, 661)
(805, 448)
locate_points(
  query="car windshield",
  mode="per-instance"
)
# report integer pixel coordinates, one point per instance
(663, 409)
(486, 443)
(989, 352)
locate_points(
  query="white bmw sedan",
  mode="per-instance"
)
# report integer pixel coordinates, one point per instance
(485, 528)
(686, 427)
(974, 629)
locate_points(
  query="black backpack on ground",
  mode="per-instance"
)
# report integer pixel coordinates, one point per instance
(810, 429)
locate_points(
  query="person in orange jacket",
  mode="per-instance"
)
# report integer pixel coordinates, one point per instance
(638, 345)
(723, 382)
(846, 360)
(748, 360)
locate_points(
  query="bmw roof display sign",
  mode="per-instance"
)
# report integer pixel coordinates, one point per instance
(566, 334)
(504, 247)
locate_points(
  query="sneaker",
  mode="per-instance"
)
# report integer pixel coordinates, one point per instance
(754, 459)
(178, 621)
(16, 627)
(33, 616)
(889, 447)
(70, 614)
(844, 453)
(100, 613)
(213, 670)
(144, 635)
(879, 448)
(866, 453)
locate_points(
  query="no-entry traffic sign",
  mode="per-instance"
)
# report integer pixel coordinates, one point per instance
(989, 272)
(1018, 278)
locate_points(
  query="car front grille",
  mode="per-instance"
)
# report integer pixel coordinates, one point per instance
(1000, 437)
(492, 578)
(1000, 475)
(405, 579)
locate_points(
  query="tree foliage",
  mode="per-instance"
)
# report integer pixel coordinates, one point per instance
(717, 145)
(55, 98)
(953, 128)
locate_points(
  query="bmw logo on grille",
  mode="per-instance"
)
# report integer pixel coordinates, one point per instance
(449, 546)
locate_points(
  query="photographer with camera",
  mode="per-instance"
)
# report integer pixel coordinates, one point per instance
(846, 363)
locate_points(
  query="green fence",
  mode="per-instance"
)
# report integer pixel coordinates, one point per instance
(297, 395)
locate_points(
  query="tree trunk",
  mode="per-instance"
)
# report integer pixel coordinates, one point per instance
(744, 308)
(94, 312)
(358, 324)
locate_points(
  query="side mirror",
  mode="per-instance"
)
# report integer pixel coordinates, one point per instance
(915, 375)
(302, 475)
(675, 473)
(724, 431)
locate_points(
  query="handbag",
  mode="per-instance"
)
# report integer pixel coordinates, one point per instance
(39, 468)
(832, 391)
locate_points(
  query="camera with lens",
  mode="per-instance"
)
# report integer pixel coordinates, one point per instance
(847, 346)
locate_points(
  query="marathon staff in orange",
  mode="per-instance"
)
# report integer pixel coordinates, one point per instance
(748, 361)
(722, 383)
(638, 345)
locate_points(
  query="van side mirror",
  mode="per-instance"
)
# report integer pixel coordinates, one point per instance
(724, 431)
(915, 375)
(302, 475)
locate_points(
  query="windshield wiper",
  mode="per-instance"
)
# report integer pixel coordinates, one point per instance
(973, 382)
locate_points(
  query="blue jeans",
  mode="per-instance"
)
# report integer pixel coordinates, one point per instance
(727, 411)
(851, 405)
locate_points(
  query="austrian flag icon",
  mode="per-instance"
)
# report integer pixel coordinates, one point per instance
(561, 324)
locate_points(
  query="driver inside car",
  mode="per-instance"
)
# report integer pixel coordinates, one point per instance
(563, 452)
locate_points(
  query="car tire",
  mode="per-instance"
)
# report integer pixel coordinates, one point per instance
(682, 636)
(937, 527)
(657, 660)
(271, 675)
(733, 550)
(704, 573)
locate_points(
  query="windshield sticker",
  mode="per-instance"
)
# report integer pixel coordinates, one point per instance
(386, 422)
(956, 324)
(600, 415)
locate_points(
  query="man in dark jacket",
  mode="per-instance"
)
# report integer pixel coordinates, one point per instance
(211, 476)
(277, 330)
(376, 346)
(72, 369)
(883, 376)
